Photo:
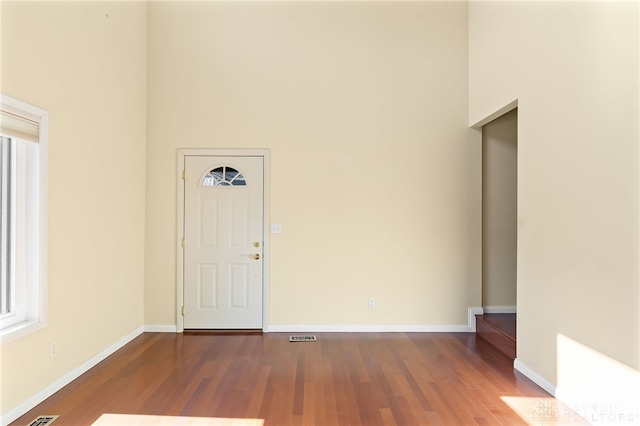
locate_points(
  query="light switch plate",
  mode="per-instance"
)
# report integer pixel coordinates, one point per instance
(276, 228)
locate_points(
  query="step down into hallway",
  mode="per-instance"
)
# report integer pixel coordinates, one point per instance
(499, 330)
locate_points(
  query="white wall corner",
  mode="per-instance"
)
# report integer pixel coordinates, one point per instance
(30, 403)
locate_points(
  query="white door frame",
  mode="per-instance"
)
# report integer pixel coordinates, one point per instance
(182, 153)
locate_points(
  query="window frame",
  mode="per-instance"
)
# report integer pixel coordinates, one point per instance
(7, 233)
(30, 248)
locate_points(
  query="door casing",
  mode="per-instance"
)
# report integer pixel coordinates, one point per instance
(182, 153)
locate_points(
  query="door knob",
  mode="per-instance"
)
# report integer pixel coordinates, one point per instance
(255, 256)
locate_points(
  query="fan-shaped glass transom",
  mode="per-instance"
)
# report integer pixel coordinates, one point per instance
(224, 176)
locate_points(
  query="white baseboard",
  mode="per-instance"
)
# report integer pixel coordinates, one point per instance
(473, 311)
(331, 328)
(470, 327)
(45, 393)
(500, 309)
(160, 328)
(535, 377)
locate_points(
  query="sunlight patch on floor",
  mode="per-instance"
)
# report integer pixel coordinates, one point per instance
(146, 420)
(538, 411)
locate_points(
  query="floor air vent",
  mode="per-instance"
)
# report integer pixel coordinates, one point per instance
(305, 338)
(43, 420)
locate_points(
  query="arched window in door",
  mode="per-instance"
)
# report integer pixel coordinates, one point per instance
(224, 176)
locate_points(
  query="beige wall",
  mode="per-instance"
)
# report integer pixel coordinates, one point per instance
(573, 67)
(375, 174)
(499, 210)
(85, 63)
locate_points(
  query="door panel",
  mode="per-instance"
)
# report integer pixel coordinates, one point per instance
(239, 221)
(207, 286)
(238, 286)
(209, 228)
(223, 270)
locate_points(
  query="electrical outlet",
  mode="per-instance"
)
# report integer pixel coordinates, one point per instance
(372, 303)
(53, 349)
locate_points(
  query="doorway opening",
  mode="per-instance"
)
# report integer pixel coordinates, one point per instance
(499, 231)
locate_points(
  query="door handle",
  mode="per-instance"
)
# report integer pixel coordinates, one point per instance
(255, 256)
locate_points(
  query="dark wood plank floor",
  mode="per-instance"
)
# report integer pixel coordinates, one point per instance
(342, 379)
(499, 330)
(505, 322)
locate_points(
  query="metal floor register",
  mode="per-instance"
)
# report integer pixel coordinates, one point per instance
(304, 338)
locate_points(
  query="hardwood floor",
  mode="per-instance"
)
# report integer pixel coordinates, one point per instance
(504, 322)
(499, 330)
(342, 379)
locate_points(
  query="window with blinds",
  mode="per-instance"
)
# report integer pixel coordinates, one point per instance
(23, 160)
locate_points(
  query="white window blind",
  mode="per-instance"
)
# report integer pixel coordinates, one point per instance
(18, 126)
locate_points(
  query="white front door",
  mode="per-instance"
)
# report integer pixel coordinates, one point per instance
(223, 247)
